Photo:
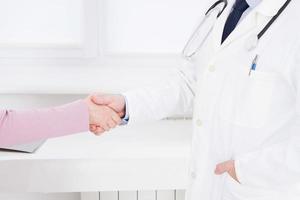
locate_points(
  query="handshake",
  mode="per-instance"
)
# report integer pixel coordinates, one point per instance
(105, 112)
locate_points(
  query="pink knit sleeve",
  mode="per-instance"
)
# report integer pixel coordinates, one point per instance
(21, 127)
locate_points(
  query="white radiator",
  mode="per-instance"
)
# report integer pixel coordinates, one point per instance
(118, 195)
(135, 195)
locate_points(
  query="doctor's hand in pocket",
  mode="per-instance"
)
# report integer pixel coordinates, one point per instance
(227, 167)
(102, 118)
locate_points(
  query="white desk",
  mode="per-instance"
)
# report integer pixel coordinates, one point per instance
(149, 156)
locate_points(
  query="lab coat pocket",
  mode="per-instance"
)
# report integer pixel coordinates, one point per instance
(231, 181)
(246, 100)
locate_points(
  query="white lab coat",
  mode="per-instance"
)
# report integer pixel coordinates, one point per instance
(251, 119)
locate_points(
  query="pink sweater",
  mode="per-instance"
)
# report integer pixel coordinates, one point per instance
(21, 127)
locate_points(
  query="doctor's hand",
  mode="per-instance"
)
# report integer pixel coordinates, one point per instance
(101, 117)
(227, 167)
(115, 102)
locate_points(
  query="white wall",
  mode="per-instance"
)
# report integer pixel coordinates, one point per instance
(44, 44)
(93, 36)
(40, 22)
(64, 28)
(149, 26)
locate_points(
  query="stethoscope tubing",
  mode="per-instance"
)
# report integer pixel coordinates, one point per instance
(258, 36)
(267, 27)
(215, 5)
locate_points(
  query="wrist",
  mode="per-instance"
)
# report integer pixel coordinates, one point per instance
(87, 103)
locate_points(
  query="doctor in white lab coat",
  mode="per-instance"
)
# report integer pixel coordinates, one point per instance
(251, 120)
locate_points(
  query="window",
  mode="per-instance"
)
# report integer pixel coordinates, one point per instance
(76, 46)
(48, 28)
(149, 26)
(93, 28)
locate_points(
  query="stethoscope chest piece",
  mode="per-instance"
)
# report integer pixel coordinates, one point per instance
(251, 43)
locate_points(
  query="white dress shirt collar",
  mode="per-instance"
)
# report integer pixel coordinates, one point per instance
(253, 3)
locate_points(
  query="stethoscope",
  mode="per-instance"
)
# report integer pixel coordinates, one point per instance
(206, 25)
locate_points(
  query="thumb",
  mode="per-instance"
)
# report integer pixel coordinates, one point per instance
(101, 99)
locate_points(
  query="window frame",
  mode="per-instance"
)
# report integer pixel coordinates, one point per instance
(88, 49)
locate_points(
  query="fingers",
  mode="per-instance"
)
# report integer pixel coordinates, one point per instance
(227, 167)
(105, 126)
(115, 102)
(93, 127)
(121, 114)
(99, 131)
(102, 119)
(109, 119)
(112, 124)
(224, 167)
(116, 119)
(101, 99)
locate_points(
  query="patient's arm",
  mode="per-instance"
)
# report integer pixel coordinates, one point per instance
(17, 127)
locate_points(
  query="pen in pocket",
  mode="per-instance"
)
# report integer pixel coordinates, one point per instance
(253, 65)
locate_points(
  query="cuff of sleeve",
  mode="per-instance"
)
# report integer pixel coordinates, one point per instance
(125, 119)
(132, 107)
(138, 107)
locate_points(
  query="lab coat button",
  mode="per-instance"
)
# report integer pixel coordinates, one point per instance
(199, 122)
(211, 68)
(193, 175)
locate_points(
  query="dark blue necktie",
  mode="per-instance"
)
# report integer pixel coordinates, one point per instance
(238, 9)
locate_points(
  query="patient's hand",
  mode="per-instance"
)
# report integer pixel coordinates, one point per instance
(102, 118)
